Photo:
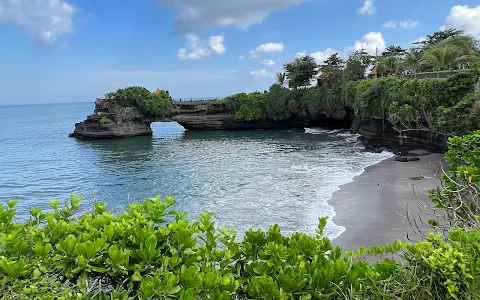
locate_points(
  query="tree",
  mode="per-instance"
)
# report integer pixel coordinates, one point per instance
(356, 65)
(439, 36)
(465, 45)
(281, 79)
(441, 58)
(300, 71)
(333, 62)
(413, 59)
(388, 64)
(393, 50)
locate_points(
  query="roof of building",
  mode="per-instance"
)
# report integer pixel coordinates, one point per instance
(324, 75)
(157, 92)
(373, 72)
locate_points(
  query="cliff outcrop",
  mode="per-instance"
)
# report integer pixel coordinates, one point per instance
(111, 121)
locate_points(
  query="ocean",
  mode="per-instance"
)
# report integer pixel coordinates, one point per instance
(249, 179)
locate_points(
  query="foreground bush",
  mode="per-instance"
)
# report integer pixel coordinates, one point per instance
(139, 255)
(154, 252)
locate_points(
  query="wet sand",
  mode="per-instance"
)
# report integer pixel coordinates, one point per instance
(367, 206)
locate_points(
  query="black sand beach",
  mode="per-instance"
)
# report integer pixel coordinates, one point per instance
(367, 206)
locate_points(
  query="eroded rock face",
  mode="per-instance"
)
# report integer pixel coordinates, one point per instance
(379, 133)
(112, 121)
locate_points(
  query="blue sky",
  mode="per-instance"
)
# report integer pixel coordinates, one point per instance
(78, 50)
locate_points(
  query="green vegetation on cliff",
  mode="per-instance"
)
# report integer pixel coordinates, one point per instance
(149, 104)
(447, 106)
(154, 252)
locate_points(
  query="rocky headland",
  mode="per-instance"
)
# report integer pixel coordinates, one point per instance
(111, 121)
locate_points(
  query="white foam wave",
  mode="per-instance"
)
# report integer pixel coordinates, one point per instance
(360, 162)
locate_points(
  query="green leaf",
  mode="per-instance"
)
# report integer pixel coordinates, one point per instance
(136, 277)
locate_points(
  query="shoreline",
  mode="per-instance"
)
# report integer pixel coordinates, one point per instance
(367, 207)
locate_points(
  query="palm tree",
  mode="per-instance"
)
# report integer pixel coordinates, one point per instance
(413, 59)
(465, 45)
(281, 79)
(387, 64)
(442, 58)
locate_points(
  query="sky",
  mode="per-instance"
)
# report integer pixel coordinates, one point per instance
(56, 51)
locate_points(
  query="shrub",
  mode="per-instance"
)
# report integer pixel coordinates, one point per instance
(154, 252)
(277, 102)
(149, 104)
(458, 196)
(251, 106)
(105, 121)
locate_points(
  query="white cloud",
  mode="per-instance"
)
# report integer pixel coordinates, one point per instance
(368, 8)
(197, 49)
(404, 24)
(408, 24)
(321, 56)
(44, 20)
(370, 42)
(268, 62)
(390, 24)
(195, 14)
(216, 44)
(241, 57)
(266, 48)
(465, 18)
(261, 73)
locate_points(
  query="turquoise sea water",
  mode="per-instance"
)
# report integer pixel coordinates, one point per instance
(247, 178)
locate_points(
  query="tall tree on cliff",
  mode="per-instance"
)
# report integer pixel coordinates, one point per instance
(356, 65)
(300, 71)
(393, 50)
(438, 37)
(281, 79)
(332, 63)
(442, 58)
(414, 59)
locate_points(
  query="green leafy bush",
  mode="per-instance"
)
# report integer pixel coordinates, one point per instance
(251, 106)
(278, 102)
(154, 252)
(458, 196)
(439, 105)
(149, 104)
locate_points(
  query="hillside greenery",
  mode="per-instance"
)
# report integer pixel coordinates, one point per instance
(149, 104)
(446, 106)
(154, 252)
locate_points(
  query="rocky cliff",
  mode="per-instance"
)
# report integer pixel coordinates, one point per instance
(114, 121)
(378, 134)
